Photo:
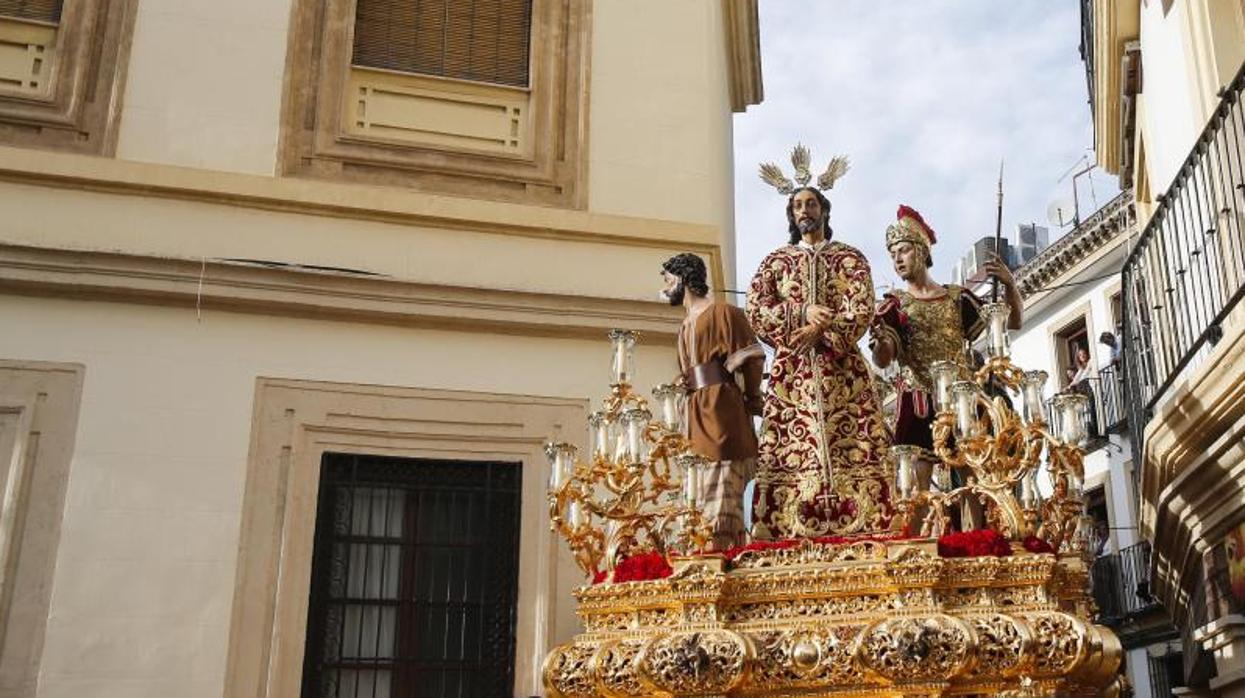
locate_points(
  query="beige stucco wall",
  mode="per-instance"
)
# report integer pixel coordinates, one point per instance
(204, 84)
(145, 571)
(472, 253)
(661, 130)
(204, 91)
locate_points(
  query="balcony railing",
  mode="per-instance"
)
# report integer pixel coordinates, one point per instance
(1106, 404)
(1187, 270)
(1121, 583)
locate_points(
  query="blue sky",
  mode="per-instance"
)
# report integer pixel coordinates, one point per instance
(925, 97)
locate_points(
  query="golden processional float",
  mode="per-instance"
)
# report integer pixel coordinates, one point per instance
(1003, 610)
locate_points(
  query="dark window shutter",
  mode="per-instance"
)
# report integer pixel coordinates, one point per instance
(39, 10)
(482, 40)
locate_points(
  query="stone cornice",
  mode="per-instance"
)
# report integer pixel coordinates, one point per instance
(224, 285)
(743, 53)
(1118, 216)
(1193, 463)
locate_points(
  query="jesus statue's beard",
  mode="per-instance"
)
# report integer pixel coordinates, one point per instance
(807, 226)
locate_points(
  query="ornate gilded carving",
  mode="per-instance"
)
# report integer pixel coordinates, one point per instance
(1059, 641)
(903, 623)
(930, 648)
(695, 663)
(616, 670)
(568, 671)
(1002, 644)
(808, 552)
(807, 658)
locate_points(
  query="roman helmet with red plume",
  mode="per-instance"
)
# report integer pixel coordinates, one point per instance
(911, 227)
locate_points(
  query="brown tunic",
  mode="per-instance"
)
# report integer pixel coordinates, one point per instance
(718, 423)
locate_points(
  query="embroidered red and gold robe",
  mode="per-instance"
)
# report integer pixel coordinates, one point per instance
(822, 465)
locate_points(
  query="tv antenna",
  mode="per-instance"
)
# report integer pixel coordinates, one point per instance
(1085, 168)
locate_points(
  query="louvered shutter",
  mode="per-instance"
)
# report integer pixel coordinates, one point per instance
(40, 10)
(482, 40)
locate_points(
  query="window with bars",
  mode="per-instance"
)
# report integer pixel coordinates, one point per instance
(38, 10)
(414, 579)
(481, 40)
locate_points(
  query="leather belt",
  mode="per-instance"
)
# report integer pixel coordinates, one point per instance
(706, 374)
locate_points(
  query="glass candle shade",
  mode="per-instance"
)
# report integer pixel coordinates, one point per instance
(598, 435)
(669, 402)
(561, 457)
(944, 374)
(635, 421)
(616, 439)
(996, 315)
(1031, 389)
(691, 465)
(964, 395)
(1030, 497)
(1070, 411)
(575, 515)
(622, 353)
(905, 458)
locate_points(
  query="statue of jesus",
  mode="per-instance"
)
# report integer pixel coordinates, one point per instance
(822, 465)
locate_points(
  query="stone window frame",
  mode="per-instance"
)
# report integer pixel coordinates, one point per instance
(80, 113)
(39, 408)
(294, 423)
(552, 171)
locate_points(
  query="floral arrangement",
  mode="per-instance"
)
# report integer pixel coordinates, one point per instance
(978, 543)
(644, 567)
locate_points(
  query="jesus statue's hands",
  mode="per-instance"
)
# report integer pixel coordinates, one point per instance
(805, 337)
(818, 315)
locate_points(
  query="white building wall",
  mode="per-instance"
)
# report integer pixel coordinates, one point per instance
(1034, 348)
(1172, 119)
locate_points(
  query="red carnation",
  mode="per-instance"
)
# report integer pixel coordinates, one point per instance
(978, 543)
(1038, 545)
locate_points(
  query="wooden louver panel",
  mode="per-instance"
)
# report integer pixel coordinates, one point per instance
(482, 40)
(39, 10)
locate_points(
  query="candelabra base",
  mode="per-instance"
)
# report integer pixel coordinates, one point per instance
(866, 618)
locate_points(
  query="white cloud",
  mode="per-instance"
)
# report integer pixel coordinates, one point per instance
(925, 97)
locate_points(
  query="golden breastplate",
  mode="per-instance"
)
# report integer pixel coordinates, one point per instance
(937, 334)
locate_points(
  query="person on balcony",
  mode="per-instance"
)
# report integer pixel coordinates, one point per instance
(926, 322)
(1082, 382)
(1108, 351)
(717, 352)
(822, 467)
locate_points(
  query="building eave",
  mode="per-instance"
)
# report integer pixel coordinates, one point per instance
(1057, 263)
(743, 52)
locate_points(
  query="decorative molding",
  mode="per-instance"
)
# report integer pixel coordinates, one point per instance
(295, 423)
(1115, 22)
(357, 202)
(86, 66)
(27, 56)
(1118, 216)
(1193, 468)
(306, 292)
(317, 141)
(39, 405)
(388, 105)
(743, 51)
